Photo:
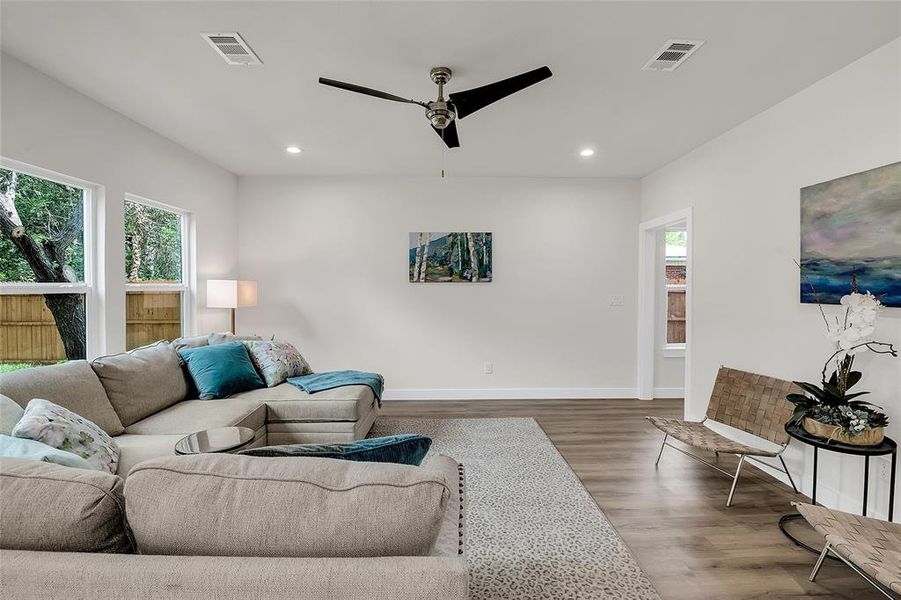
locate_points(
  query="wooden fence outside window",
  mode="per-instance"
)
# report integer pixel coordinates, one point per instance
(28, 332)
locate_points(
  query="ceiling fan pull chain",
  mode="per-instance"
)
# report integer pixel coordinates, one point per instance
(443, 154)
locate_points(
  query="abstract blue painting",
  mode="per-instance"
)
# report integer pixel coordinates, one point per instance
(851, 226)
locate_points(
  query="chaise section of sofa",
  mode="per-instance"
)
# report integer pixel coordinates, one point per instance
(342, 414)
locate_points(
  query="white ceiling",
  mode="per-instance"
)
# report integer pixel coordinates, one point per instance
(148, 61)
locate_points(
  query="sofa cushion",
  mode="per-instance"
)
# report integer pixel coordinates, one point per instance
(10, 413)
(406, 449)
(59, 427)
(134, 449)
(221, 370)
(183, 343)
(226, 337)
(56, 508)
(290, 404)
(143, 381)
(196, 415)
(230, 505)
(72, 385)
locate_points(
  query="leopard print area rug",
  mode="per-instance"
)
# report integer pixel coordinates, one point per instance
(533, 531)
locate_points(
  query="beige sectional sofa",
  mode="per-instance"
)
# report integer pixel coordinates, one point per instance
(143, 399)
(221, 526)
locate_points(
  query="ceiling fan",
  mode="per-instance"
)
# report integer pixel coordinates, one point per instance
(441, 113)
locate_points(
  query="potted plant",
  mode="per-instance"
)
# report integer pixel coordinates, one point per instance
(830, 410)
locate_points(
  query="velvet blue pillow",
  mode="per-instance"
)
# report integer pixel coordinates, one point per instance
(221, 370)
(407, 449)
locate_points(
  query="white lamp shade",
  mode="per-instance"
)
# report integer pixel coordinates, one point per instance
(230, 293)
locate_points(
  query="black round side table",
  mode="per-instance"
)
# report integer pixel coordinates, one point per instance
(888, 446)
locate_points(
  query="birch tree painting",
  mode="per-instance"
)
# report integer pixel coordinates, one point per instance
(442, 257)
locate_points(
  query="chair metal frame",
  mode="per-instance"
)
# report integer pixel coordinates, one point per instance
(741, 460)
(827, 549)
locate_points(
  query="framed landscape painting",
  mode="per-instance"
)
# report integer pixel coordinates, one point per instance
(442, 257)
(851, 227)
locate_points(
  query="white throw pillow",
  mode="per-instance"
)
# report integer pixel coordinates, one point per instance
(61, 428)
(10, 413)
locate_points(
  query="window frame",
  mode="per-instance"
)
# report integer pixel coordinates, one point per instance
(187, 285)
(90, 193)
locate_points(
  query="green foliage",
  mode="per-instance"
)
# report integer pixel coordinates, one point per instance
(152, 244)
(44, 207)
(676, 238)
(9, 367)
(832, 405)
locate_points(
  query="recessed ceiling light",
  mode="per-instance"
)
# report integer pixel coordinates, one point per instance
(293, 150)
(585, 153)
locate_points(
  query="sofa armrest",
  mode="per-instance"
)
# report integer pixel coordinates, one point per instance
(65, 575)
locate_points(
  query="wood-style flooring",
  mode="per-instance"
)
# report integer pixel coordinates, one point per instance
(673, 518)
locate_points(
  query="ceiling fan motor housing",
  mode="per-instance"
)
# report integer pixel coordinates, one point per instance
(440, 113)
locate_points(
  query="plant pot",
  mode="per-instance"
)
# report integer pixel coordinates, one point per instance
(873, 437)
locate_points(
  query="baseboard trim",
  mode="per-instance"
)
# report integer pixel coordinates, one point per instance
(670, 392)
(510, 394)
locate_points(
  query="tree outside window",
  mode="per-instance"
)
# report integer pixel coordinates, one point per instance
(155, 282)
(42, 242)
(152, 244)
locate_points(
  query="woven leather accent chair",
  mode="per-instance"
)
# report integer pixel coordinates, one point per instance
(747, 401)
(871, 547)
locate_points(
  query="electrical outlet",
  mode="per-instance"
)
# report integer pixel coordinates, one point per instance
(615, 299)
(885, 470)
(488, 368)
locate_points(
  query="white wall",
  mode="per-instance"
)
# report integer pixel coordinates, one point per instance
(330, 258)
(744, 190)
(49, 125)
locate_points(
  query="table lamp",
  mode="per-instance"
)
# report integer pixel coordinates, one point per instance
(230, 293)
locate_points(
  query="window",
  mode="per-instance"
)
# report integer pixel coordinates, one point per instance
(675, 279)
(156, 267)
(45, 287)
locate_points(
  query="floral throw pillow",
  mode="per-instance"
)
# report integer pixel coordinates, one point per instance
(61, 428)
(276, 361)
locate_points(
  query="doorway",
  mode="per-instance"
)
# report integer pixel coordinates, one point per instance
(664, 306)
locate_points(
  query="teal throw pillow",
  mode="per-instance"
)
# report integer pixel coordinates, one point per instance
(221, 370)
(407, 449)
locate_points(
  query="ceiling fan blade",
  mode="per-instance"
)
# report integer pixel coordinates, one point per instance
(472, 100)
(365, 90)
(449, 135)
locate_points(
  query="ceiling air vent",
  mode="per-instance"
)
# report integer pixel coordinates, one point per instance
(671, 55)
(232, 48)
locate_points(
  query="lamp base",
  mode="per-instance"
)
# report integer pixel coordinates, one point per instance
(233, 321)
